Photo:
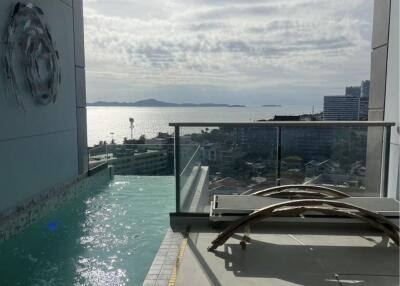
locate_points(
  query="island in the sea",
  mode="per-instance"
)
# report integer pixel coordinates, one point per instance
(157, 103)
(272, 105)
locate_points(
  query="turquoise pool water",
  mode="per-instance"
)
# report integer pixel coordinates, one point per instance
(107, 238)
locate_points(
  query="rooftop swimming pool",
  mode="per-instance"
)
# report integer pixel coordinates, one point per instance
(109, 237)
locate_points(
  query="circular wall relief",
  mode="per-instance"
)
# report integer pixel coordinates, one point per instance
(31, 60)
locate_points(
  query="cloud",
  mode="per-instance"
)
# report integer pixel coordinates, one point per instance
(229, 44)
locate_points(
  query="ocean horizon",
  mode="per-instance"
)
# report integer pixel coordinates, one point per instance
(149, 121)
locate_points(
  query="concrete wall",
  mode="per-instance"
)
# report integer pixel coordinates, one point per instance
(392, 108)
(384, 94)
(80, 87)
(45, 146)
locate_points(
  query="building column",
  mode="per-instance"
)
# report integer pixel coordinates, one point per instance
(80, 86)
(384, 94)
(392, 108)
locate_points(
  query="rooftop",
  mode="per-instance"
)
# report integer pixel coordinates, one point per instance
(291, 254)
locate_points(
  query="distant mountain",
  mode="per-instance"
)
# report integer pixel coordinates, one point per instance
(156, 103)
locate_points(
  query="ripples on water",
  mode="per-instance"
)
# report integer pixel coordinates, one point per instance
(108, 239)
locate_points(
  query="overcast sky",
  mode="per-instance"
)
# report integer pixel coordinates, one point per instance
(226, 51)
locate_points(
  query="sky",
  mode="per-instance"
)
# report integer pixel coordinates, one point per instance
(226, 51)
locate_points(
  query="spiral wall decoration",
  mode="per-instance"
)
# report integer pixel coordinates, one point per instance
(31, 60)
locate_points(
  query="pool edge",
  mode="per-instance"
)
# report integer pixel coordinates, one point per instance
(13, 221)
(166, 261)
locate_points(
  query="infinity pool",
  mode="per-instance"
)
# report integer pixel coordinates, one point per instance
(107, 238)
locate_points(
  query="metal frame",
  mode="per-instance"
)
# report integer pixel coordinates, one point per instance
(312, 190)
(286, 124)
(177, 171)
(298, 207)
(279, 156)
(385, 165)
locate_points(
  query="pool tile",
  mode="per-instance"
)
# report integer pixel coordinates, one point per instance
(162, 282)
(166, 257)
(151, 276)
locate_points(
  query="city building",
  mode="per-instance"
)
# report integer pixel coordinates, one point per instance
(354, 91)
(365, 88)
(261, 140)
(352, 106)
(160, 140)
(363, 108)
(345, 108)
(341, 107)
(147, 160)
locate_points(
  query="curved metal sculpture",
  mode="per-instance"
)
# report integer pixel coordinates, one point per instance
(299, 191)
(29, 50)
(297, 207)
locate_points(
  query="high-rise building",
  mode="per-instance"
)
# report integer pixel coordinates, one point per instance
(353, 90)
(339, 107)
(352, 106)
(365, 88)
(363, 108)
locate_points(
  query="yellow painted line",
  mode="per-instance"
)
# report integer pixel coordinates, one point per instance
(172, 279)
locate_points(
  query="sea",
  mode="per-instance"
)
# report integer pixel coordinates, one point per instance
(107, 123)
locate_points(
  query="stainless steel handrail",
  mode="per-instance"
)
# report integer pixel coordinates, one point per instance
(286, 124)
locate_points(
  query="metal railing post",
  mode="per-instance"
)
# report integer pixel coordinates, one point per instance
(386, 159)
(177, 171)
(106, 153)
(279, 156)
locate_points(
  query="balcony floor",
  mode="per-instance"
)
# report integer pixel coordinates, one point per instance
(291, 255)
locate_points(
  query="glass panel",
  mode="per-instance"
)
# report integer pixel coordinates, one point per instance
(190, 171)
(224, 160)
(97, 155)
(334, 157)
(135, 159)
(231, 160)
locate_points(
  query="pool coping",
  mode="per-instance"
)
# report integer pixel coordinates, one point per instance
(163, 270)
